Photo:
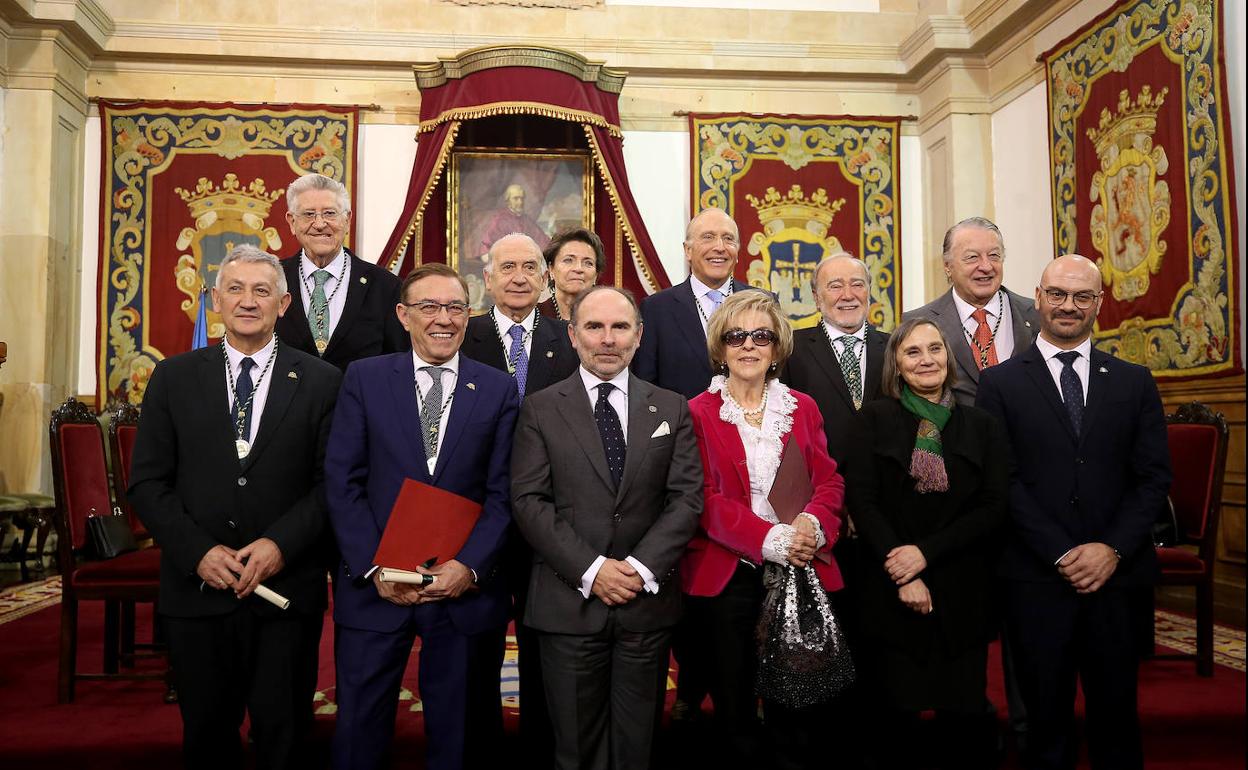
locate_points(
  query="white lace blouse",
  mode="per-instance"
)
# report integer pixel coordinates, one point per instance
(763, 449)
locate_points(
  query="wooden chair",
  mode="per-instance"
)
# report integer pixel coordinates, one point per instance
(80, 478)
(1198, 441)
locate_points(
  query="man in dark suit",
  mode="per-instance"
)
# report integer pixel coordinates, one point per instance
(673, 350)
(1091, 470)
(838, 361)
(607, 487)
(342, 308)
(984, 322)
(227, 476)
(536, 352)
(443, 419)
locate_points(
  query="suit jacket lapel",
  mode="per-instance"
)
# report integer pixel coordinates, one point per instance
(216, 399)
(823, 354)
(1038, 370)
(947, 319)
(282, 387)
(1020, 310)
(356, 289)
(302, 335)
(1098, 387)
(486, 347)
(462, 404)
(541, 355)
(689, 321)
(642, 423)
(876, 342)
(406, 413)
(579, 416)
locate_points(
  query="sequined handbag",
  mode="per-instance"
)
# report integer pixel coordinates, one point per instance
(803, 658)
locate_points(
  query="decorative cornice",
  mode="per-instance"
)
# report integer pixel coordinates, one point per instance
(493, 56)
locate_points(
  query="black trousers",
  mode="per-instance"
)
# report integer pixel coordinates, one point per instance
(605, 693)
(1060, 637)
(246, 662)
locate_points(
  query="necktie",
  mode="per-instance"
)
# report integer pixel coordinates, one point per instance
(985, 345)
(716, 297)
(242, 397)
(1072, 389)
(517, 359)
(431, 410)
(851, 369)
(610, 432)
(318, 317)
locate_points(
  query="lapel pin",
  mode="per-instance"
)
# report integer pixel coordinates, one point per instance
(363, 279)
(653, 409)
(550, 354)
(472, 385)
(1027, 324)
(294, 376)
(1103, 370)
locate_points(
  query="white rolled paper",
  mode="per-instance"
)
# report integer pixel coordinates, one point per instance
(272, 597)
(392, 575)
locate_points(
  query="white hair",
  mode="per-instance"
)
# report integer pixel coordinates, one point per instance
(537, 250)
(317, 182)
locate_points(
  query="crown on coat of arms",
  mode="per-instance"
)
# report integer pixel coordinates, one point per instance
(207, 197)
(1132, 119)
(794, 209)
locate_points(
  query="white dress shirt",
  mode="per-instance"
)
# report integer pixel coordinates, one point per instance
(504, 325)
(1004, 340)
(423, 383)
(836, 334)
(1082, 365)
(699, 295)
(337, 297)
(618, 400)
(260, 385)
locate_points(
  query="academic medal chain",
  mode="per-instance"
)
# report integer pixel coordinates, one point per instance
(241, 444)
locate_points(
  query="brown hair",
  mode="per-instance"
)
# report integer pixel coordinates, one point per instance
(581, 235)
(890, 377)
(429, 269)
(736, 305)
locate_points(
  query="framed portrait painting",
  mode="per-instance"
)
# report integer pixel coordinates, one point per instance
(493, 193)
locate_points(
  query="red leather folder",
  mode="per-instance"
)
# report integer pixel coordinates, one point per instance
(792, 490)
(426, 524)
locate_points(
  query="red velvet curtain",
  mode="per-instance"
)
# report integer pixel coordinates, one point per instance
(538, 93)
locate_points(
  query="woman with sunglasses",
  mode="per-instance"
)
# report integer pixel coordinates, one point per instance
(743, 422)
(928, 483)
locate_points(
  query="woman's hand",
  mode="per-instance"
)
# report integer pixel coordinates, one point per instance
(802, 547)
(904, 563)
(916, 596)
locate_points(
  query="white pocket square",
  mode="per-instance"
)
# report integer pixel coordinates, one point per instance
(663, 430)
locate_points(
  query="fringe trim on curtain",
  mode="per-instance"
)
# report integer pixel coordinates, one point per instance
(521, 108)
(440, 168)
(643, 270)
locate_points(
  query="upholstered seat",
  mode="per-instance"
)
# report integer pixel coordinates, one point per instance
(134, 570)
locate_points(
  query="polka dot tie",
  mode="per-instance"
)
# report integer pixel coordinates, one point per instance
(610, 431)
(1072, 389)
(518, 359)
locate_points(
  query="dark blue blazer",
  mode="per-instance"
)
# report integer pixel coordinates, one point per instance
(673, 353)
(1104, 485)
(376, 443)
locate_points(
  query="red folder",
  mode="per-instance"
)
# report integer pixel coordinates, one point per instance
(426, 524)
(792, 490)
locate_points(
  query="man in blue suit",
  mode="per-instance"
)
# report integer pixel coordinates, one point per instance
(1091, 470)
(443, 419)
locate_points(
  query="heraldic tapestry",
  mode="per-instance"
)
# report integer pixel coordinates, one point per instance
(182, 184)
(801, 188)
(1139, 143)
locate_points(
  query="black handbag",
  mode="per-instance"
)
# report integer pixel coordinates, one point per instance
(110, 536)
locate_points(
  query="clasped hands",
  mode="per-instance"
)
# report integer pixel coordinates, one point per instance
(904, 564)
(1087, 567)
(617, 583)
(241, 570)
(802, 547)
(453, 579)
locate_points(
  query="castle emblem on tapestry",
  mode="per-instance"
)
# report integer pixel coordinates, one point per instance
(1139, 139)
(182, 184)
(800, 189)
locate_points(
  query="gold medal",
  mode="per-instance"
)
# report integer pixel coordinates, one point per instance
(321, 345)
(242, 447)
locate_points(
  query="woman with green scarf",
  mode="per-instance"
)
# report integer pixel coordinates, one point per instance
(927, 486)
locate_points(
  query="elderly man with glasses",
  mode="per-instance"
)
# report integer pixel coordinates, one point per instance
(443, 419)
(343, 307)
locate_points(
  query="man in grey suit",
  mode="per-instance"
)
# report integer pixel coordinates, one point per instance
(607, 488)
(984, 322)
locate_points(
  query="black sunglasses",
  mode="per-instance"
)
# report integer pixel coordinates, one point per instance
(761, 337)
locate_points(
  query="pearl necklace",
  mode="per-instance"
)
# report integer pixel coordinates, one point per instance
(757, 412)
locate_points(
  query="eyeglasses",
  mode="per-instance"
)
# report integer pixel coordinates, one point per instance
(328, 215)
(1082, 299)
(709, 239)
(762, 337)
(428, 308)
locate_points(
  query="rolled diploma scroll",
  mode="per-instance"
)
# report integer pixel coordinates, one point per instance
(392, 575)
(272, 597)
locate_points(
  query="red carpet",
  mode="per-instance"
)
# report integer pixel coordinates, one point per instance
(1189, 722)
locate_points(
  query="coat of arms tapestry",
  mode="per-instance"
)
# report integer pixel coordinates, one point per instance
(801, 188)
(182, 184)
(1140, 147)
